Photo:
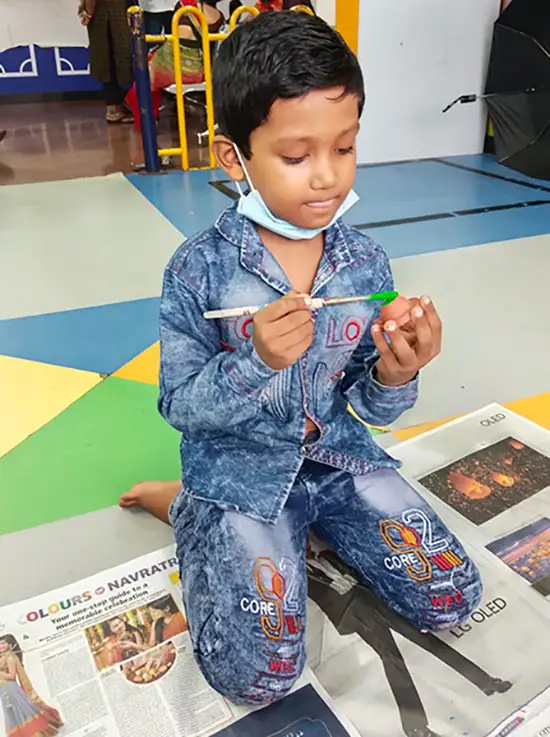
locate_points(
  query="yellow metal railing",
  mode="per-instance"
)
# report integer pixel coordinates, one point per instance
(207, 38)
(303, 9)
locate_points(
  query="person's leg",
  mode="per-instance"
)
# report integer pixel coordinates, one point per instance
(244, 589)
(113, 93)
(153, 23)
(166, 21)
(157, 24)
(391, 536)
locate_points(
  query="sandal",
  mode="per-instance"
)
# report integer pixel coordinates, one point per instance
(119, 118)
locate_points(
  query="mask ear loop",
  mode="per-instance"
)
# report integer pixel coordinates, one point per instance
(248, 180)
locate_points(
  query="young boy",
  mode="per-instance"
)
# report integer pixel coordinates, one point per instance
(268, 446)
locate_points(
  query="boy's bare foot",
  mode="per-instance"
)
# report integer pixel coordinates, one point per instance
(153, 496)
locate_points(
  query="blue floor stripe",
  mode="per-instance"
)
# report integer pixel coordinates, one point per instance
(428, 187)
(98, 339)
(391, 192)
(185, 198)
(457, 232)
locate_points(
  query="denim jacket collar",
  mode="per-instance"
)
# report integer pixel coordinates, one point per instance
(242, 233)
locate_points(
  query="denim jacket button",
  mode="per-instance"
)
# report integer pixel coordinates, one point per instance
(304, 450)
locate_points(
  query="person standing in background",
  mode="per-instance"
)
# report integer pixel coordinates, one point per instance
(110, 54)
(158, 16)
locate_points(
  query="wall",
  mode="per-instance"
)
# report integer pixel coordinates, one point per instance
(418, 55)
(327, 10)
(43, 48)
(31, 69)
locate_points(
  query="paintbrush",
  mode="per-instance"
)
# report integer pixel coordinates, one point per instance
(313, 303)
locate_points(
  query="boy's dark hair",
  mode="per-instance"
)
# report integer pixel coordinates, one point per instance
(278, 56)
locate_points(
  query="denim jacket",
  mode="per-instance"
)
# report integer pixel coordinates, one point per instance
(243, 423)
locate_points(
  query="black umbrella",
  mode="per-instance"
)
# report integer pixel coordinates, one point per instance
(518, 87)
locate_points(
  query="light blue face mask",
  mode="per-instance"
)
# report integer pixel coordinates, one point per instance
(253, 207)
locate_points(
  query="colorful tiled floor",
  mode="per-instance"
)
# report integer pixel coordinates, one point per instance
(80, 272)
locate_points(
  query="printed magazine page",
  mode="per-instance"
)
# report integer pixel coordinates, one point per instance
(111, 655)
(488, 477)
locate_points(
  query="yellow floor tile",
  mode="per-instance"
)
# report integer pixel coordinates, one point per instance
(31, 394)
(143, 368)
(536, 409)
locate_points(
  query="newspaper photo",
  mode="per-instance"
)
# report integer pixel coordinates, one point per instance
(489, 481)
(527, 552)
(111, 656)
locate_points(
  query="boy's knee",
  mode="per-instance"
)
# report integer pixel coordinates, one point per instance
(452, 606)
(262, 680)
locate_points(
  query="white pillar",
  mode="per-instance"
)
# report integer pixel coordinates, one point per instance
(417, 57)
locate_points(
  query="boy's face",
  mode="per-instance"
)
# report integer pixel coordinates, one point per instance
(303, 157)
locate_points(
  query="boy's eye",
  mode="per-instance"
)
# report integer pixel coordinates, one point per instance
(348, 150)
(293, 159)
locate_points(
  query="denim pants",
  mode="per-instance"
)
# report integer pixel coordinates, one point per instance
(244, 582)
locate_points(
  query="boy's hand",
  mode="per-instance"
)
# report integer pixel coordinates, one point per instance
(283, 331)
(411, 347)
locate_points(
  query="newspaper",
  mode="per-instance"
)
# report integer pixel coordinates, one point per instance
(531, 720)
(488, 476)
(111, 656)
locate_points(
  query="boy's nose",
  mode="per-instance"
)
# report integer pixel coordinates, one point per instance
(324, 176)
